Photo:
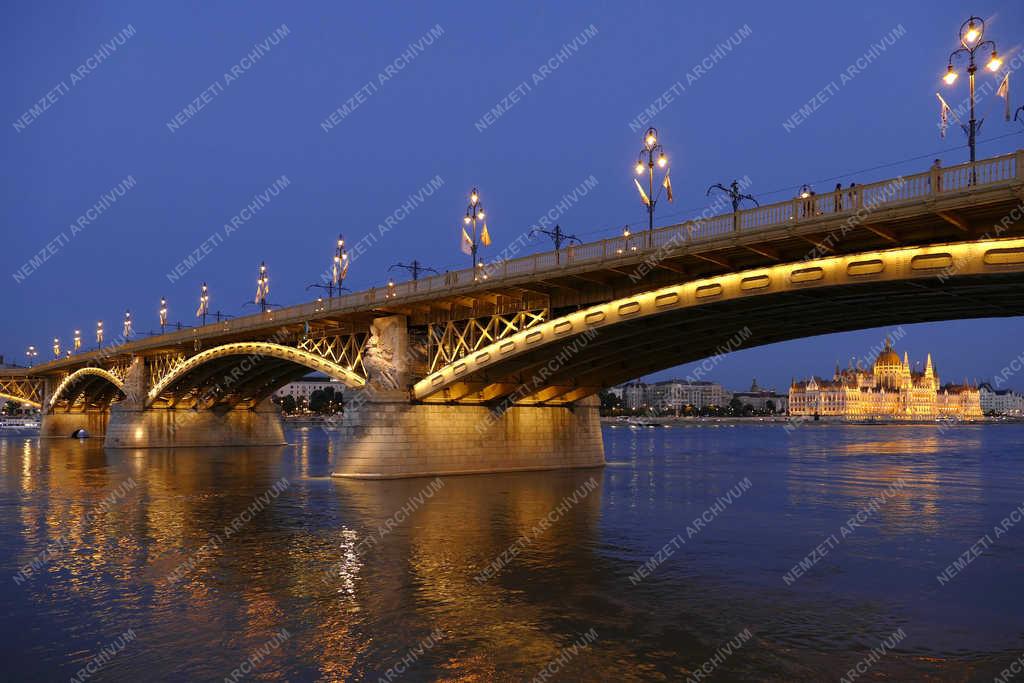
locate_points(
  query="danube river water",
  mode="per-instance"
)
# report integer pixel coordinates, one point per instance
(681, 556)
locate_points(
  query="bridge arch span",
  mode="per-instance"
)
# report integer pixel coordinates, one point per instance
(576, 354)
(93, 391)
(244, 371)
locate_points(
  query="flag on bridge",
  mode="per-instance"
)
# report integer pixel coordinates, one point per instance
(944, 112)
(1004, 92)
(667, 184)
(204, 302)
(467, 244)
(643, 195)
(485, 237)
(339, 268)
(262, 285)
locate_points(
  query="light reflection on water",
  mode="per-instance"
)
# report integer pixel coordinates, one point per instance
(354, 610)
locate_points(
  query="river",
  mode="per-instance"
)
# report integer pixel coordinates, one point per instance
(730, 553)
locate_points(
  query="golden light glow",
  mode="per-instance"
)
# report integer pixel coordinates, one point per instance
(994, 63)
(950, 76)
(639, 168)
(480, 214)
(466, 220)
(972, 33)
(473, 198)
(662, 160)
(68, 381)
(889, 389)
(289, 353)
(651, 140)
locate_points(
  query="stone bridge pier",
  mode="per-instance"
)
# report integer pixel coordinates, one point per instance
(384, 434)
(134, 425)
(64, 425)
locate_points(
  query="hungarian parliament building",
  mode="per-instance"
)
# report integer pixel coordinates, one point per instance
(889, 390)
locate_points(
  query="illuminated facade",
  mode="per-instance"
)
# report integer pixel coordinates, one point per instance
(889, 390)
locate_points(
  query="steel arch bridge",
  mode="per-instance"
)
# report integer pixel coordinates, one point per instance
(551, 329)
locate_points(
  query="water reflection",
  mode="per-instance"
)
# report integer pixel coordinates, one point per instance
(302, 560)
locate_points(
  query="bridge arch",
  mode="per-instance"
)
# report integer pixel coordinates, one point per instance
(574, 355)
(76, 378)
(264, 367)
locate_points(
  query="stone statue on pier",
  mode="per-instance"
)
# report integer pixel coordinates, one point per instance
(385, 358)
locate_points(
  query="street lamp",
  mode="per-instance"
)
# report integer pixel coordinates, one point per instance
(99, 334)
(78, 339)
(339, 269)
(56, 348)
(971, 34)
(655, 154)
(627, 246)
(474, 213)
(127, 330)
(163, 314)
(31, 355)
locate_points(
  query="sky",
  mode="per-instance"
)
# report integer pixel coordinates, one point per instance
(319, 97)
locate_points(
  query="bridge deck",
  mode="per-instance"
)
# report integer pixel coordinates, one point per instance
(958, 203)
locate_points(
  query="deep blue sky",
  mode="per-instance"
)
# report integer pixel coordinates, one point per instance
(420, 124)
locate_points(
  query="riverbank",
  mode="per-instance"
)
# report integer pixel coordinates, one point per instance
(620, 421)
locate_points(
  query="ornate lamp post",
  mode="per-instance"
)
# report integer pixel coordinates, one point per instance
(475, 213)
(127, 331)
(339, 269)
(31, 355)
(78, 339)
(163, 314)
(652, 148)
(972, 33)
(56, 348)
(99, 334)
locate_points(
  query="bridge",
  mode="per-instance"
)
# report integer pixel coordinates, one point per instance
(498, 369)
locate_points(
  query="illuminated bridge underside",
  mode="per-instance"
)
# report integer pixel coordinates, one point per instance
(87, 388)
(604, 345)
(240, 375)
(26, 390)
